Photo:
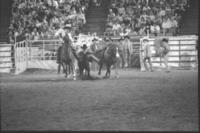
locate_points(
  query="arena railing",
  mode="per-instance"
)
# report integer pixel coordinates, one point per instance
(182, 54)
(42, 53)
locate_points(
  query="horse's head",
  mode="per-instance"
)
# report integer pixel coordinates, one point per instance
(93, 47)
(112, 50)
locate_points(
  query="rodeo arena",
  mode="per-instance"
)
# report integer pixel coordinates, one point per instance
(99, 65)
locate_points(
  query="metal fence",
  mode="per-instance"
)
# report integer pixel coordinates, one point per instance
(42, 54)
(182, 54)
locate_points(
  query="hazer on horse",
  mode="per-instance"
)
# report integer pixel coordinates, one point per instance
(66, 55)
(108, 55)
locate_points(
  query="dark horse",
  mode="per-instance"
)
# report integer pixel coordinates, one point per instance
(108, 56)
(67, 57)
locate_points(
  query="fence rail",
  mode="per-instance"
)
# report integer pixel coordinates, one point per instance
(42, 54)
(183, 52)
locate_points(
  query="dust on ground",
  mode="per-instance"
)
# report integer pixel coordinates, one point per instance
(137, 101)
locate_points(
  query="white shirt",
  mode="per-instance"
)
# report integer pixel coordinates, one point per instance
(116, 26)
(174, 23)
(60, 31)
(155, 28)
(70, 37)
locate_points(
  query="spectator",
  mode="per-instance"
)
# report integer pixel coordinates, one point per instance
(147, 55)
(155, 29)
(121, 9)
(127, 51)
(166, 25)
(174, 25)
(43, 15)
(116, 27)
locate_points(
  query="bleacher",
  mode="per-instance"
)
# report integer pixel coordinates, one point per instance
(146, 17)
(96, 23)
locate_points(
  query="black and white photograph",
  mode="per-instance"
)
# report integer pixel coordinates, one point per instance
(99, 65)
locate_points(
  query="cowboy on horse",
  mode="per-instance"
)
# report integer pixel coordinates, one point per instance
(66, 54)
(108, 55)
(65, 37)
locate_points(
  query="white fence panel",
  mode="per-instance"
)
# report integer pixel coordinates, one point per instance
(182, 53)
(21, 57)
(6, 58)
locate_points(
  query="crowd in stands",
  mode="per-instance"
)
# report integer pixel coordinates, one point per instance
(39, 19)
(142, 17)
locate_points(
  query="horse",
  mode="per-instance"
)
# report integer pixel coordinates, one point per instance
(68, 57)
(108, 55)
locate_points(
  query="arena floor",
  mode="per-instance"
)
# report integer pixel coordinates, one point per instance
(137, 101)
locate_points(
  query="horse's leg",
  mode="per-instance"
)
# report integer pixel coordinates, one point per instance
(73, 71)
(122, 59)
(88, 70)
(76, 67)
(67, 70)
(64, 69)
(81, 72)
(68, 67)
(89, 73)
(107, 71)
(59, 66)
(100, 67)
(70, 70)
(116, 71)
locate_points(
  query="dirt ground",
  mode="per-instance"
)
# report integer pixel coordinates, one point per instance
(137, 101)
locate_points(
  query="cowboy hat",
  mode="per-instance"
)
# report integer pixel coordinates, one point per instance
(67, 26)
(84, 46)
(145, 40)
(165, 40)
(106, 39)
(94, 39)
(121, 39)
(126, 37)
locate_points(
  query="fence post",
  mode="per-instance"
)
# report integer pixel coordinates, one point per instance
(43, 49)
(179, 52)
(141, 56)
(26, 44)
